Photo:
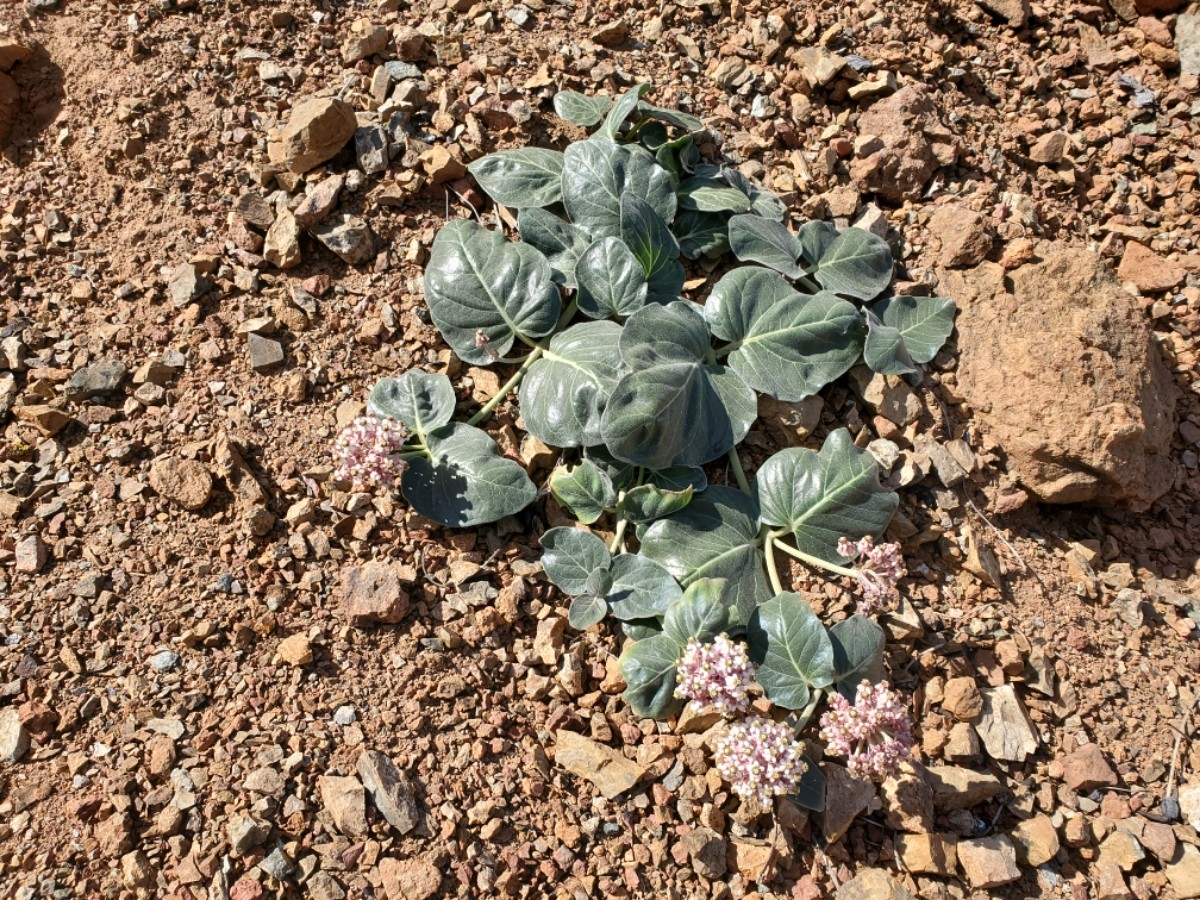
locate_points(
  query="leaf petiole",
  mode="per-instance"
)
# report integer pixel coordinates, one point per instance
(813, 560)
(772, 571)
(619, 537)
(738, 472)
(508, 386)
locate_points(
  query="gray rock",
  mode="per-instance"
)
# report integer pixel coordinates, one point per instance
(393, 792)
(1187, 41)
(371, 147)
(344, 715)
(320, 202)
(519, 16)
(348, 236)
(14, 739)
(95, 380)
(164, 661)
(324, 887)
(1004, 726)
(245, 834)
(401, 70)
(277, 865)
(187, 285)
(264, 352)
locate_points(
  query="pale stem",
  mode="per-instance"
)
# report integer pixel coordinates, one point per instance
(802, 720)
(815, 560)
(738, 472)
(619, 536)
(772, 572)
(508, 386)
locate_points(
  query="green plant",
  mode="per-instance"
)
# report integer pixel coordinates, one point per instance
(641, 388)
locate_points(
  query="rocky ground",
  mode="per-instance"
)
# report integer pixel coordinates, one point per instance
(223, 677)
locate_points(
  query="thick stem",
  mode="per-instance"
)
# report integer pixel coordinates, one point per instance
(801, 721)
(816, 561)
(722, 352)
(508, 386)
(807, 282)
(567, 314)
(772, 571)
(619, 537)
(738, 472)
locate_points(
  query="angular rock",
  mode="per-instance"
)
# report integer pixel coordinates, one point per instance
(184, 482)
(441, 165)
(989, 862)
(245, 834)
(958, 788)
(1092, 420)
(96, 380)
(608, 770)
(929, 854)
(961, 698)
(316, 130)
(296, 650)
(264, 352)
(1189, 804)
(707, 851)
(908, 799)
(346, 801)
(1004, 726)
(366, 43)
(409, 879)
(1086, 769)
(1187, 41)
(1036, 840)
(1015, 12)
(324, 887)
(113, 835)
(963, 235)
(187, 285)
(47, 419)
(1110, 883)
(371, 147)
(393, 792)
(845, 797)
(1050, 148)
(31, 554)
(873, 884)
(1184, 874)
(14, 739)
(1121, 849)
(348, 236)
(282, 246)
(372, 593)
(820, 66)
(320, 201)
(914, 143)
(255, 210)
(1149, 271)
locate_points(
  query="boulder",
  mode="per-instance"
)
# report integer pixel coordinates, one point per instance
(913, 143)
(1062, 370)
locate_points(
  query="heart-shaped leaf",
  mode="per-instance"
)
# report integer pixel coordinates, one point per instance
(571, 556)
(597, 172)
(646, 234)
(641, 588)
(755, 239)
(466, 480)
(640, 629)
(621, 473)
(649, 669)
(653, 136)
(478, 282)
(674, 117)
(648, 503)
(678, 156)
(762, 202)
(563, 395)
(612, 282)
(820, 497)
(580, 109)
(792, 650)
(857, 653)
(600, 582)
(706, 194)
(560, 242)
(786, 344)
(585, 490)
(902, 331)
(701, 613)
(701, 234)
(585, 611)
(854, 262)
(421, 400)
(530, 176)
(625, 106)
(678, 478)
(674, 408)
(716, 536)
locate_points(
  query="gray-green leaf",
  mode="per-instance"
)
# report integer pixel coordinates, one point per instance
(564, 394)
(857, 653)
(648, 503)
(529, 176)
(559, 241)
(820, 497)
(682, 120)
(625, 106)
(467, 481)
(477, 281)
(762, 202)
(571, 556)
(611, 280)
(580, 109)
(647, 235)
(755, 239)
(706, 194)
(423, 401)
(649, 669)
(701, 234)
(853, 262)
(902, 331)
(792, 649)
(641, 588)
(788, 345)
(585, 611)
(677, 478)
(811, 793)
(597, 172)
(585, 490)
(702, 612)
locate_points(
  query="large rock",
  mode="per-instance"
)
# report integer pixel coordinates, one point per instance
(185, 482)
(10, 107)
(873, 884)
(1063, 371)
(914, 141)
(372, 593)
(317, 129)
(608, 770)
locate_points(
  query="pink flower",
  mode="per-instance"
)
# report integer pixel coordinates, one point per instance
(874, 734)
(716, 675)
(879, 569)
(368, 451)
(760, 759)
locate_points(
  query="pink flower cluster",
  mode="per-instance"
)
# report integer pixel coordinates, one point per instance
(760, 759)
(716, 675)
(879, 569)
(368, 451)
(874, 734)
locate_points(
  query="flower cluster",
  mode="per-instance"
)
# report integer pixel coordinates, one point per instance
(716, 675)
(879, 568)
(760, 759)
(368, 451)
(874, 734)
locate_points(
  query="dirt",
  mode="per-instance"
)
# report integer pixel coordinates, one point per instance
(147, 656)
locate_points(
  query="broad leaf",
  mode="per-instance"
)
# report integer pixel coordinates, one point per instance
(640, 629)
(621, 473)
(580, 109)
(902, 331)
(762, 202)
(600, 582)
(625, 106)
(563, 395)
(585, 490)
(788, 345)
(559, 241)
(674, 408)
(701, 234)
(792, 650)
(530, 176)
(820, 497)
(811, 793)
(648, 503)
(701, 613)
(421, 400)
(653, 136)
(585, 611)
(857, 653)
(479, 282)
(678, 156)
(571, 556)
(755, 239)
(597, 172)
(467, 481)
(716, 536)
(706, 194)
(611, 280)
(674, 117)
(649, 669)
(677, 478)
(641, 588)
(646, 234)
(853, 262)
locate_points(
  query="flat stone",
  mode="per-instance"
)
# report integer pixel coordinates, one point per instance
(1149, 271)
(845, 797)
(707, 851)
(908, 799)
(360, 45)
(187, 285)
(1050, 148)
(14, 739)
(322, 886)
(282, 246)
(245, 834)
(371, 593)
(873, 884)
(1004, 726)
(316, 130)
(345, 799)
(96, 380)
(989, 862)
(255, 210)
(265, 353)
(1184, 875)
(393, 792)
(961, 698)
(959, 788)
(1036, 840)
(1086, 769)
(962, 233)
(608, 770)
(928, 854)
(1187, 41)
(348, 236)
(47, 419)
(31, 554)
(296, 650)
(1122, 850)
(409, 879)
(320, 201)
(185, 482)
(820, 66)
(266, 780)
(441, 165)
(1015, 12)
